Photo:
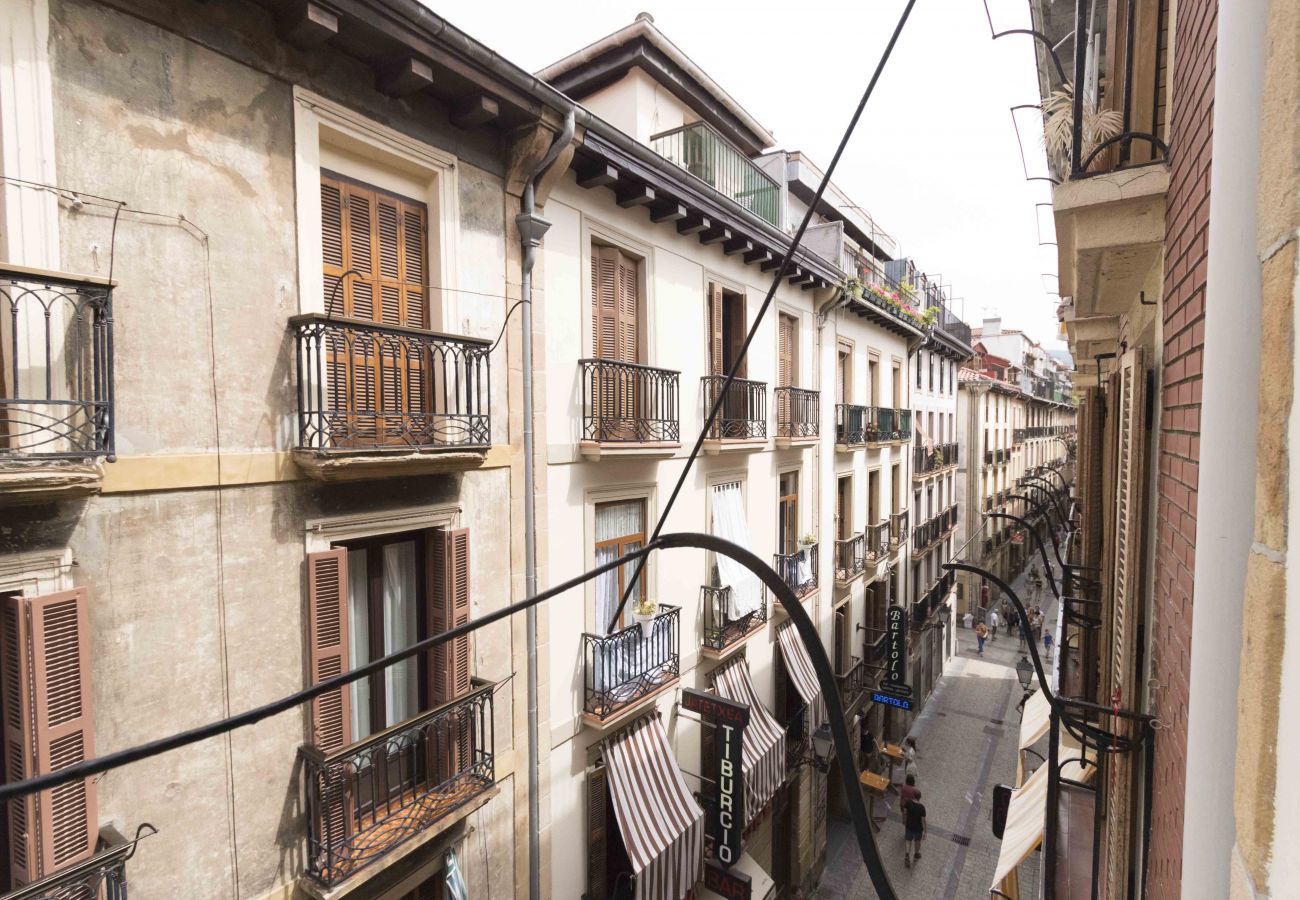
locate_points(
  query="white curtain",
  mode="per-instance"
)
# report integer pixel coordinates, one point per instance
(359, 641)
(614, 521)
(730, 524)
(401, 696)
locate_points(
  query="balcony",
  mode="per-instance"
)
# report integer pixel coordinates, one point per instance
(852, 682)
(376, 400)
(879, 542)
(798, 416)
(721, 632)
(928, 461)
(628, 409)
(626, 667)
(101, 876)
(898, 529)
(706, 154)
(56, 384)
(849, 559)
(366, 800)
(850, 425)
(886, 425)
(799, 569)
(741, 422)
(875, 648)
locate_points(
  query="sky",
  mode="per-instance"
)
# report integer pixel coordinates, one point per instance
(935, 158)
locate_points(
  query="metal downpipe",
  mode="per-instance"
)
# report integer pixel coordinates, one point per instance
(532, 227)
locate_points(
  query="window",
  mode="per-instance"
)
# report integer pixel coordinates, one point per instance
(48, 715)
(930, 382)
(873, 497)
(844, 374)
(620, 529)
(898, 386)
(787, 517)
(615, 305)
(372, 597)
(787, 368)
(895, 492)
(873, 376)
(918, 371)
(844, 506)
(726, 330)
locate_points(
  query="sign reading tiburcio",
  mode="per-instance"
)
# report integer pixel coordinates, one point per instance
(896, 655)
(726, 816)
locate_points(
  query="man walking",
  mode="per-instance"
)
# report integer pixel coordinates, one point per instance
(981, 632)
(993, 624)
(914, 828)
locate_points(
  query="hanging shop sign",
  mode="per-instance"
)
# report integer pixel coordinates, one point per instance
(730, 883)
(727, 816)
(896, 656)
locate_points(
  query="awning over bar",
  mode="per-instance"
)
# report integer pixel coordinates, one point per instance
(763, 751)
(1024, 829)
(662, 825)
(1036, 719)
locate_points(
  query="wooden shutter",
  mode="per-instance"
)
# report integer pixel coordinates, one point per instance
(1126, 579)
(597, 831)
(785, 351)
(604, 302)
(48, 727)
(716, 362)
(449, 598)
(383, 240)
(327, 624)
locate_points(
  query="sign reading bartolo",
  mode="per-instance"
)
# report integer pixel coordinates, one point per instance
(727, 816)
(896, 657)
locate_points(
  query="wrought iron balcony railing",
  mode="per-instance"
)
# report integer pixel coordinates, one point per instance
(627, 402)
(720, 630)
(365, 386)
(933, 459)
(849, 557)
(798, 413)
(743, 414)
(101, 877)
(898, 528)
(365, 800)
(798, 742)
(851, 423)
(621, 668)
(706, 154)
(879, 539)
(874, 647)
(56, 366)
(798, 569)
(852, 682)
(887, 424)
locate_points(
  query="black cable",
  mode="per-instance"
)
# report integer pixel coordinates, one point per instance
(721, 394)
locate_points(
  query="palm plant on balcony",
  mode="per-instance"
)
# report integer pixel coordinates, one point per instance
(1099, 126)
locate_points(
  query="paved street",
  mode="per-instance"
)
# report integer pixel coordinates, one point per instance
(967, 736)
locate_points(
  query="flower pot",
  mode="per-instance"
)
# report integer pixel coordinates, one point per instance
(646, 621)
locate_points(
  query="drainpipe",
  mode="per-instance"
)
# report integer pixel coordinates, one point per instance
(531, 229)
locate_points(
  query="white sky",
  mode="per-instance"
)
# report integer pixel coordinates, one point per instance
(935, 158)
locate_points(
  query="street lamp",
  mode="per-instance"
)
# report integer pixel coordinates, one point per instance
(1024, 672)
(822, 746)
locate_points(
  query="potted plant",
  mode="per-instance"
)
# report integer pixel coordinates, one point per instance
(644, 612)
(808, 540)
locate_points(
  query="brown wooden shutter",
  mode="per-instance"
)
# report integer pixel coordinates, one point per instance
(604, 302)
(716, 366)
(629, 291)
(785, 351)
(449, 598)
(327, 622)
(597, 831)
(48, 727)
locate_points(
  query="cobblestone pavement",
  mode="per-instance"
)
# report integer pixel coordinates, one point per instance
(967, 735)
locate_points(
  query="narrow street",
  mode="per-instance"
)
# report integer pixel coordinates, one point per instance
(967, 736)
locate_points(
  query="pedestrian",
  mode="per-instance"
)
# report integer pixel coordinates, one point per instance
(1047, 642)
(1021, 625)
(908, 792)
(909, 757)
(993, 624)
(1037, 627)
(914, 828)
(1005, 616)
(984, 596)
(981, 632)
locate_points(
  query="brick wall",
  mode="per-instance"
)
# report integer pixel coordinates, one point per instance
(1187, 219)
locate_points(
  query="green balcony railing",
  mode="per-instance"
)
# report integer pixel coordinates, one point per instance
(707, 155)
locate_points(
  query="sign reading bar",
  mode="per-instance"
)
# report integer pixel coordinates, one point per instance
(891, 700)
(726, 883)
(896, 652)
(726, 816)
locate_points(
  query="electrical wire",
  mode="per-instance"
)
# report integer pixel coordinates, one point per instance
(777, 277)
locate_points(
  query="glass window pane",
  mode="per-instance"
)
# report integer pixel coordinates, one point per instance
(359, 640)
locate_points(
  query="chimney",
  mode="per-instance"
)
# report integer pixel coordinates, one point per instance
(991, 327)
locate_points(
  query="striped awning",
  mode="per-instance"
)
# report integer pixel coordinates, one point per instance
(763, 751)
(800, 668)
(1023, 830)
(1035, 720)
(662, 825)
